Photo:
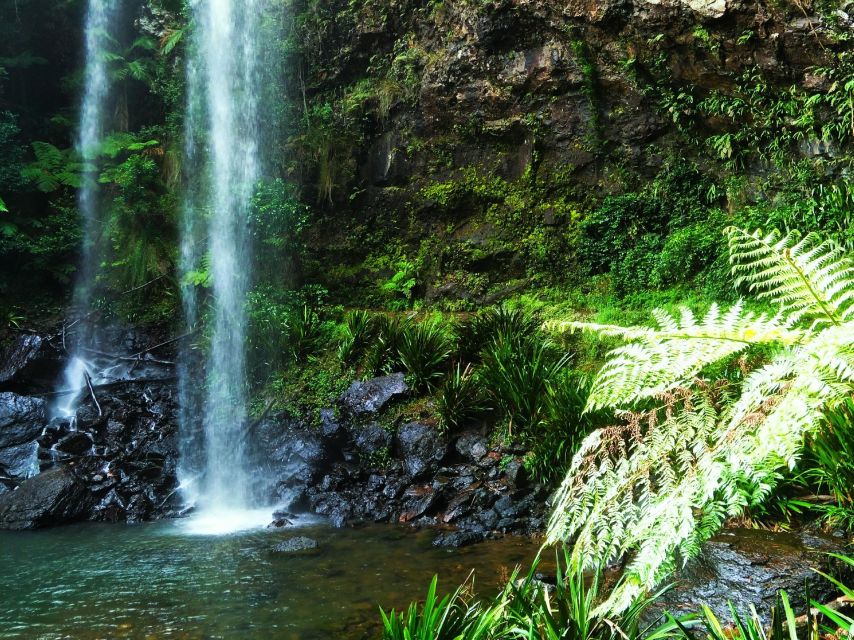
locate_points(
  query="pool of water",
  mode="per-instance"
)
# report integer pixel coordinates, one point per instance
(157, 580)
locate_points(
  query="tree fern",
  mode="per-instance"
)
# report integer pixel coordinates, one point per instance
(692, 452)
(807, 277)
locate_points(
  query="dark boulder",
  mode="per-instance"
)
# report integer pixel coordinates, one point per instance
(30, 365)
(300, 544)
(366, 397)
(421, 447)
(330, 425)
(295, 457)
(417, 501)
(457, 539)
(76, 443)
(21, 419)
(472, 446)
(51, 498)
(20, 461)
(372, 439)
(748, 567)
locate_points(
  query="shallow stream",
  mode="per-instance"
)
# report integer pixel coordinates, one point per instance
(97, 581)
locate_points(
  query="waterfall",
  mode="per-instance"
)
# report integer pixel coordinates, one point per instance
(100, 19)
(223, 165)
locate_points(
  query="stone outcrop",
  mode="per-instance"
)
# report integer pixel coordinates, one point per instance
(55, 497)
(352, 469)
(747, 566)
(113, 461)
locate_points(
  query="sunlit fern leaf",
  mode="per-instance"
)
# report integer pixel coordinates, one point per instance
(810, 277)
(658, 360)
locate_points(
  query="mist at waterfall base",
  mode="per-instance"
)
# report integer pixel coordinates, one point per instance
(223, 163)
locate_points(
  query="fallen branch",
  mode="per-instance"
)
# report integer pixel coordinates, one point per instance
(88, 379)
(142, 286)
(162, 344)
(109, 385)
(257, 421)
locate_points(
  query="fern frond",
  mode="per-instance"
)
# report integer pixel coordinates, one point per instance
(808, 277)
(658, 360)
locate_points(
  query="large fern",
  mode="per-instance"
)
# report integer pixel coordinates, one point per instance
(694, 452)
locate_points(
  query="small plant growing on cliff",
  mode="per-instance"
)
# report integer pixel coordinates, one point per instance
(695, 451)
(399, 287)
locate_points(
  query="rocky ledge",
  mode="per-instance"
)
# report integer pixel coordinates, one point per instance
(353, 468)
(116, 460)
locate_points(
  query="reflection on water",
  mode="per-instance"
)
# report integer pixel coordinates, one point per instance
(152, 581)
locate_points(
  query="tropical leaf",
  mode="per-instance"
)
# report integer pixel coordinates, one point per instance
(809, 277)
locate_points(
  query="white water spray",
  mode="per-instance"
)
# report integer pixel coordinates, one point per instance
(223, 142)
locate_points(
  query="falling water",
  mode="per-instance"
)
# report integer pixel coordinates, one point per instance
(223, 160)
(100, 18)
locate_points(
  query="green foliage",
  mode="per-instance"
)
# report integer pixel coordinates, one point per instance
(284, 327)
(526, 609)
(517, 372)
(448, 618)
(139, 225)
(324, 149)
(278, 221)
(664, 235)
(304, 334)
(460, 399)
(829, 467)
(398, 288)
(424, 350)
(488, 325)
(53, 168)
(693, 451)
(564, 426)
(384, 356)
(359, 331)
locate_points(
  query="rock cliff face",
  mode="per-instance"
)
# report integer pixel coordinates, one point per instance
(470, 130)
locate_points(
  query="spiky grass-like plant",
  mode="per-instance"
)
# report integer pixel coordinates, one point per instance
(695, 452)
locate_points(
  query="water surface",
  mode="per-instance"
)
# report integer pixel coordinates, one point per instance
(94, 581)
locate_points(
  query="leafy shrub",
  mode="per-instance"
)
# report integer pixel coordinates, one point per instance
(384, 356)
(398, 288)
(424, 349)
(483, 328)
(831, 465)
(564, 426)
(460, 399)
(516, 372)
(359, 330)
(616, 227)
(450, 618)
(304, 334)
